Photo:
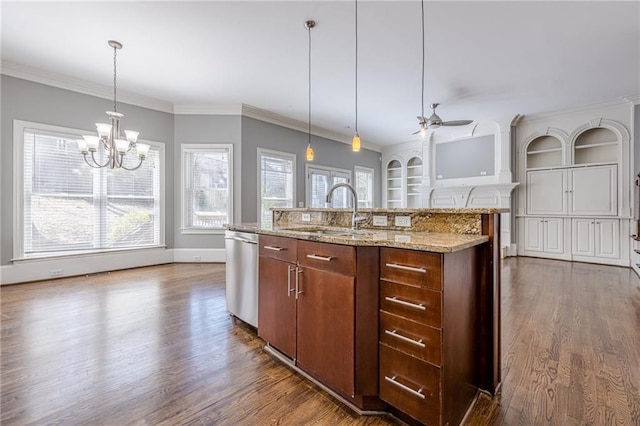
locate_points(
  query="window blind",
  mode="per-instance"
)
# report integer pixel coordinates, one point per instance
(69, 206)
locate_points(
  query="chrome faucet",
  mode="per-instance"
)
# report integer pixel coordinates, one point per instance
(355, 219)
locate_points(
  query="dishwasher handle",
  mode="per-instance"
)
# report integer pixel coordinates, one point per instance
(243, 240)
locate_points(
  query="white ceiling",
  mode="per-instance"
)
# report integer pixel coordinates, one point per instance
(485, 60)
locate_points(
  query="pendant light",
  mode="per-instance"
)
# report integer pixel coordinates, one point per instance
(355, 143)
(423, 123)
(309, 154)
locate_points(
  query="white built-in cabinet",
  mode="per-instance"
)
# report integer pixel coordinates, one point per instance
(403, 171)
(571, 202)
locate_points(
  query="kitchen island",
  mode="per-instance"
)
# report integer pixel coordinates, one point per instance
(400, 319)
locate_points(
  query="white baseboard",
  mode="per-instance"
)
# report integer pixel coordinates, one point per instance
(44, 269)
(199, 255)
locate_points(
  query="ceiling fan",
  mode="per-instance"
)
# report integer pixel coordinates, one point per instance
(434, 121)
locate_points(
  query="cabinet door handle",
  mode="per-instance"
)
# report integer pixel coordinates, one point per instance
(298, 291)
(407, 268)
(289, 271)
(316, 257)
(274, 248)
(394, 299)
(395, 334)
(393, 381)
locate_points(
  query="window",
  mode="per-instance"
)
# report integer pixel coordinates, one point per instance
(276, 182)
(363, 184)
(66, 207)
(207, 187)
(320, 179)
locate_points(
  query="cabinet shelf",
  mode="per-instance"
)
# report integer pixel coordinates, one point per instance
(394, 178)
(418, 166)
(543, 151)
(393, 168)
(594, 145)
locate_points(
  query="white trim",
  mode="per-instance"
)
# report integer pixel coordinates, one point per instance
(281, 154)
(531, 119)
(635, 99)
(43, 269)
(228, 109)
(204, 147)
(217, 255)
(78, 85)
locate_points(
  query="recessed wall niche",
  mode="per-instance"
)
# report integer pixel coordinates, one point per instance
(466, 158)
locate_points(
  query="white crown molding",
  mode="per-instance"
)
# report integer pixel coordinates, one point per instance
(282, 121)
(229, 109)
(86, 87)
(635, 99)
(626, 100)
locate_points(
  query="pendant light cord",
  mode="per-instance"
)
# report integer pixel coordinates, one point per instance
(114, 79)
(356, 66)
(422, 93)
(309, 121)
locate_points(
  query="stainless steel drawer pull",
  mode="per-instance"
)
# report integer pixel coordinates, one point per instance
(316, 257)
(274, 248)
(394, 299)
(407, 268)
(289, 289)
(395, 334)
(403, 387)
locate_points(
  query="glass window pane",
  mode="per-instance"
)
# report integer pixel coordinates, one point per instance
(276, 183)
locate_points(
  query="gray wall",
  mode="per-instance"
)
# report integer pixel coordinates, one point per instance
(39, 103)
(207, 129)
(259, 134)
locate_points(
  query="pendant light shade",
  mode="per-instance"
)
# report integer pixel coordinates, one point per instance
(355, 143)
(309, 154)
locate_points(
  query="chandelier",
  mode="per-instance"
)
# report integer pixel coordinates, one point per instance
(109, 138)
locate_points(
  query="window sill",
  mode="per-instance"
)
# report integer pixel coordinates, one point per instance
(83, 253)
(217, 231)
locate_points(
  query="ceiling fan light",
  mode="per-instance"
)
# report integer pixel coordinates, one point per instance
(309, 153)
(355, 143)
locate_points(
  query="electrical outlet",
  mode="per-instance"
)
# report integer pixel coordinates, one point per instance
(301, 204)
(56, 273)
(439, 177)
(306, 217)
(197, 258)
(379, 220)
(403, 221)
(483, 173)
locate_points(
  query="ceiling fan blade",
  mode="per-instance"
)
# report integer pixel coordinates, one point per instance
(415, 133)
(456, 123)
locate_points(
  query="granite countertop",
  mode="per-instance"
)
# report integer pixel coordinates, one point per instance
(423, 241)
(243, 227)
(448, 210)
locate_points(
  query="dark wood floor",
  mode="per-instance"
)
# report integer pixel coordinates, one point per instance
(156, 346)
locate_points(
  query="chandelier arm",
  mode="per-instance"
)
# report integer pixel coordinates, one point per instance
(95, 166)
(133, 168)
(93, 157)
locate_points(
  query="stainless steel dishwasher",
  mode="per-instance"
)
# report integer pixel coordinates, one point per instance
(242, 275)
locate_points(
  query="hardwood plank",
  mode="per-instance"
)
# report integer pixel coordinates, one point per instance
(157, 346)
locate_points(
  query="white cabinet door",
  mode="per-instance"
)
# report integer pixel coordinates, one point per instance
(546, 192)
(534, 234)
(582, 236)
(607, 241)
(593, 191)
(554, 235)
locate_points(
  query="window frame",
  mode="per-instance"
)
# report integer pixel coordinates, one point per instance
(331, 170)
(19, 127)
(280, 154)
(362, 169)
(203, 147)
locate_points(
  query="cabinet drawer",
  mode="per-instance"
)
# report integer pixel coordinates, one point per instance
(417, 304)
(411, 385)
(280, 248)
(417, 268)
(413, 338)
(334, 258)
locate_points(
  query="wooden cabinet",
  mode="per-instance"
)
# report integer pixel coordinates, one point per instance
(276, 295)
(428, 332)
(319, 306)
